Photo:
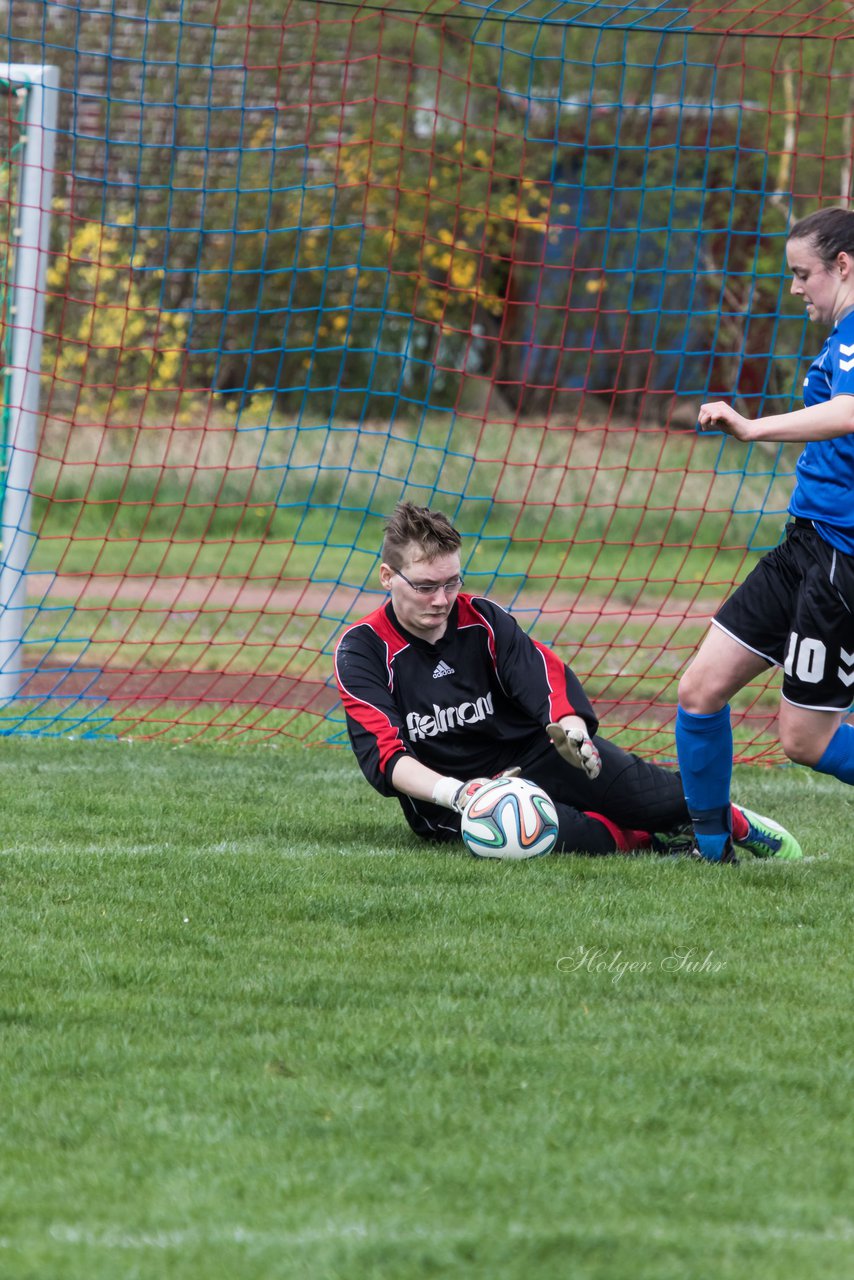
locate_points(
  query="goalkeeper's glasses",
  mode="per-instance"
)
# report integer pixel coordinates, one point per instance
(450, 588)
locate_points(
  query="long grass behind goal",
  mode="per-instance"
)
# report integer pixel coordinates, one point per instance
(308, 259)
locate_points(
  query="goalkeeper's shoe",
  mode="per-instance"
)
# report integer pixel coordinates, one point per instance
(765, 838)
(678, 843)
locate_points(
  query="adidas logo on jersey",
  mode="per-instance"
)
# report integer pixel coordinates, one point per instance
(442, 670)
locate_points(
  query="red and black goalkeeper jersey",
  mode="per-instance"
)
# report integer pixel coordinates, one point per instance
(474, 703)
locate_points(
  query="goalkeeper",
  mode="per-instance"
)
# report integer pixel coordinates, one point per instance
(443, 690)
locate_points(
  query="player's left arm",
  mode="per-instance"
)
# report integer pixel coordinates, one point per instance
(537, 679)
(548, 690)
(824, 421)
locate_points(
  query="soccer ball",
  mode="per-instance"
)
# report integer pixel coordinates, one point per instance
(509, 818)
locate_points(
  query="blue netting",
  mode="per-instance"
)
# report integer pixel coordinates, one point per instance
(487, 257)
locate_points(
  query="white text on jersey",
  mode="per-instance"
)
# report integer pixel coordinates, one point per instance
(445, 718)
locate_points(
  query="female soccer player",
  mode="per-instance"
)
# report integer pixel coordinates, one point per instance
(795, 609)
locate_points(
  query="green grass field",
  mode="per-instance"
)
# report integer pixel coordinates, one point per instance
(252, 1029)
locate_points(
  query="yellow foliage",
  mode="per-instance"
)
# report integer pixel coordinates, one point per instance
(106, 315)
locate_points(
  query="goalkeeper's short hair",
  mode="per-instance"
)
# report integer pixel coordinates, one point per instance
(431, 531)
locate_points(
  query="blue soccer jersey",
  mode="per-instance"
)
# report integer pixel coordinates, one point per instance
(825, 470)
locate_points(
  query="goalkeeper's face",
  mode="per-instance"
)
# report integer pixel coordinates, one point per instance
(423, 592)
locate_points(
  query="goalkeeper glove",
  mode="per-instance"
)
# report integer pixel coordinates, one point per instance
(453, 794)
(576, 748)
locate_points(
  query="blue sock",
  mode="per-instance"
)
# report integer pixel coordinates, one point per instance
(838, 758)
(704, 748)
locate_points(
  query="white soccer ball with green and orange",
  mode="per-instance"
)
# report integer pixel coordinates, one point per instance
(509, 818)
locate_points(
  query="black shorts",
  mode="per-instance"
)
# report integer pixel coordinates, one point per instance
(796, 610)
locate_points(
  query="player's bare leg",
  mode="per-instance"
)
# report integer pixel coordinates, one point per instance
(721, 667)
(805, 734)
(823, 740)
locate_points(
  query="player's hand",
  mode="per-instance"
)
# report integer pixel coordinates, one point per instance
(576, 747)
(467, 792)
(453, 794)
(450, 793)
(470, 789)
(720, 416)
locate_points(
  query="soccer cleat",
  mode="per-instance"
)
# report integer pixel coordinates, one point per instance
(767, 839)
(678, 843)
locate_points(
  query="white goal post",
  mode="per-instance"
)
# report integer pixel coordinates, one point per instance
(30, 218)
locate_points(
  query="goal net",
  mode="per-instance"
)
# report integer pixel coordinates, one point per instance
(308, 259)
